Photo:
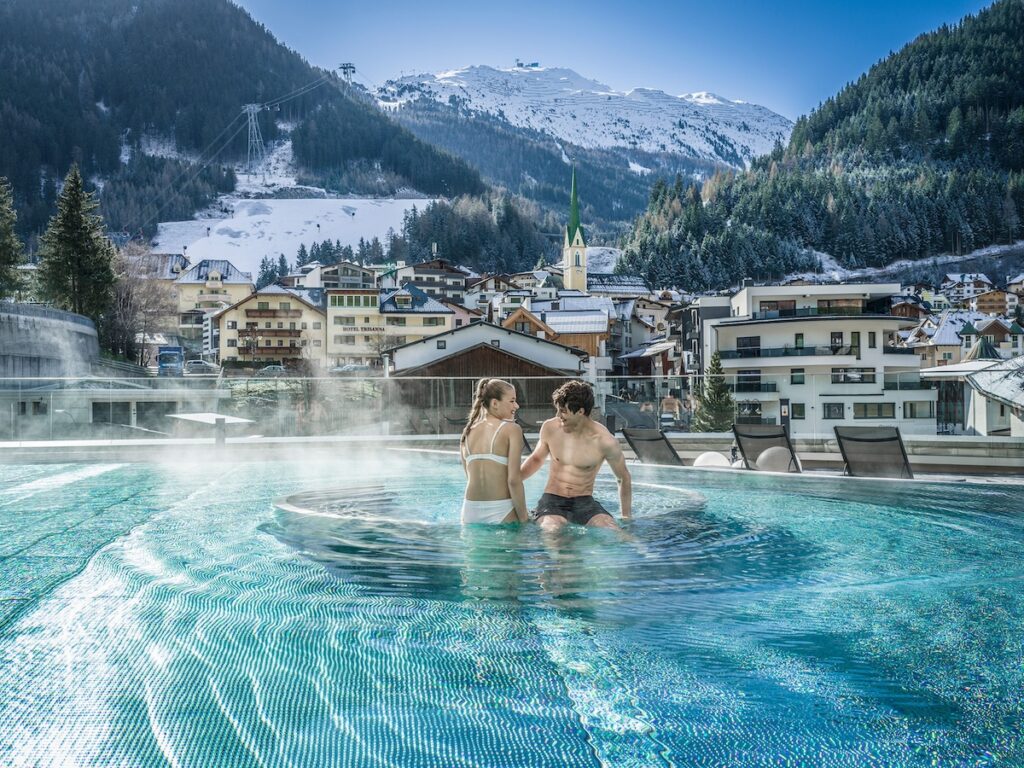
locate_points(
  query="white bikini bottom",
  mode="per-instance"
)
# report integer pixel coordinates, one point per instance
(486, 511)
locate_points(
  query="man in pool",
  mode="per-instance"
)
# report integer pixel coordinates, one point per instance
(578, 445)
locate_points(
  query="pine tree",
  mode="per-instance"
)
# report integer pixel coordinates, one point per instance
(303, 256)
(10, 246)
(76, 259)
(268, 273)
(714, 407)
(282, 266)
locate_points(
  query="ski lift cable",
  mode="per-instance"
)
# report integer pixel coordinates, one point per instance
(199, 168)
(188, 168)
(301, 91)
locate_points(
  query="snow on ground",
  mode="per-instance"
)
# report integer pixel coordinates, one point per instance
(638, 169)
(258, 228)
(570, 107)
(278, 171)
(601, 259)
(831, 270)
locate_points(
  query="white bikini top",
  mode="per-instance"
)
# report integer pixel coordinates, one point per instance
(492, 456)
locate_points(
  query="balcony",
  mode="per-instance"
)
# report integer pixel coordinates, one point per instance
(775, 314)
(269, 333)
(898, 385)
(753, 386)
(899, 351)
(273, 313)
(736, 354)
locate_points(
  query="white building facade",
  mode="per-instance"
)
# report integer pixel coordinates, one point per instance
(813, 357)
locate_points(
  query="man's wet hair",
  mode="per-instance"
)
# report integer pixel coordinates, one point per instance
(574, 395)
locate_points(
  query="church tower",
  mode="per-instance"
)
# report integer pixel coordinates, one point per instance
(574, 249)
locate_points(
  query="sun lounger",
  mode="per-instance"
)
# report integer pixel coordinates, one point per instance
(766, 447)
(651, 446)
(874, 452)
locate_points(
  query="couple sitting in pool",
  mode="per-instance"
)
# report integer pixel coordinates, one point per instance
(491, 450)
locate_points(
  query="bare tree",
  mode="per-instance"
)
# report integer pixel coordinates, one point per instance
(143, 303)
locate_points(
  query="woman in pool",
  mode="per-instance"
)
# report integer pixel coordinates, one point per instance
(491, 450)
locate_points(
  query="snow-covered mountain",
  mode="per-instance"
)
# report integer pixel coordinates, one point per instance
(562, 104)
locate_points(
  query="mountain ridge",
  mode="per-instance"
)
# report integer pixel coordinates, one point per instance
(562, 103)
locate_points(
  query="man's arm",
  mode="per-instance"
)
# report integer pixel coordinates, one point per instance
(515, 480)
(536, 459)
(617, 461)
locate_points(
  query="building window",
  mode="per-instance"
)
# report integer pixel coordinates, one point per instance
(872, 340)
(496, 343)
(748, 346)
(285, 305)
(919, 409)
(433, 321)
(836, 342)
(280, 342)
(458, 323)
(339, 320)
(262, 305)
(577, 259)
(442, 344)
(232, 342)
(317, 343)
(853, 375)
(38, 408)
(522, 327)
(874, 410)
(797, 411)
(316, 326)
(798, 341)
(232, 325)
(834, 410)
(947, 355)
(796, 375)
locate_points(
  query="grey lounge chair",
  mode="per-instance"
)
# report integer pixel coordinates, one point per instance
(651, 446)
(753, 440)
(873, 452)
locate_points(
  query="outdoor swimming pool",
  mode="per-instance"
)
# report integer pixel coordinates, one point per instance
(161, 615)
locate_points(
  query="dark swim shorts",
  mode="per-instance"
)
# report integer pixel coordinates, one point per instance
(576, 509)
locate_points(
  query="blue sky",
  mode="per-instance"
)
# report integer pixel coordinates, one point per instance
(788, 55)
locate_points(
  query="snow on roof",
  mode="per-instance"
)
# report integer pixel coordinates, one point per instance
(258, 228)
(1003, 381)
(966, 277)
(421, 303)
(574, 303)
(576, 322)
(947, 332)
(200, 272)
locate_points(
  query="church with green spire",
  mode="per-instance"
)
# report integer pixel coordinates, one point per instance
(574, 248)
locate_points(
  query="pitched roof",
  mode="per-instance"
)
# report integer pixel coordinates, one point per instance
(466, 328)
(421, 303)
(949, 324)
(609, 281)
(575, 303)
(983, 349)
(1002, 381)
(576, 322)
(229, 273)
(574, 225)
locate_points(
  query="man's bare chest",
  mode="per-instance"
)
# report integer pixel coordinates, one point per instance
(580, 455)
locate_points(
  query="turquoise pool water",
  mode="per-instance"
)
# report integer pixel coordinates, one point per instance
(172, 616)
